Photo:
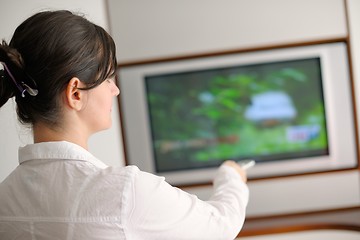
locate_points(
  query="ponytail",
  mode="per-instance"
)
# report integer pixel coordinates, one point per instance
(13, 79)
(7, 88)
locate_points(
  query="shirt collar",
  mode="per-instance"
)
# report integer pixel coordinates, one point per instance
(57, 150)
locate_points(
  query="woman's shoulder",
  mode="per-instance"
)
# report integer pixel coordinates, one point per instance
(120, 171)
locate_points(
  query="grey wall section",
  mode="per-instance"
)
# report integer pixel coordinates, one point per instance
(160, 28)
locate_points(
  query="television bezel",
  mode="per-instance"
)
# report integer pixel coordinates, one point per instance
(338, 98)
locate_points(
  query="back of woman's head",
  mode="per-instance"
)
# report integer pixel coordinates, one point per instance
(46, 51)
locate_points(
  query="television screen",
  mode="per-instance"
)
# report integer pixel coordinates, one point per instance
(289, 108)
(265, 111)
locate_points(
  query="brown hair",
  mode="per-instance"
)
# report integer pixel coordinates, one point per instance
(45, 52)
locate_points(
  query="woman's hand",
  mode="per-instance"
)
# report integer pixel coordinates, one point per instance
(237, 167)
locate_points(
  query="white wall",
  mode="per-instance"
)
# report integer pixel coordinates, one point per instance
(354, 29)
(106, 145)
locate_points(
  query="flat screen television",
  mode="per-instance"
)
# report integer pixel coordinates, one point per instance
(289, 109)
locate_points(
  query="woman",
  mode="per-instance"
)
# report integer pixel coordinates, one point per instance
(60, 68)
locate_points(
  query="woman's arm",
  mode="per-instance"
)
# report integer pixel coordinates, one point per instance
(160, 211)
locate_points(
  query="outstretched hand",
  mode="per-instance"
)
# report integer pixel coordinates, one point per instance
(238, 168)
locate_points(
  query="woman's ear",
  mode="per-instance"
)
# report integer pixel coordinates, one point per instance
(74, 96)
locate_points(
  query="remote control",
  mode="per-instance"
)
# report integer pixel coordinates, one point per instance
(246, 164)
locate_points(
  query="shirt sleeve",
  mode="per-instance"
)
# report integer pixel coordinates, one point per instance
(161, 211)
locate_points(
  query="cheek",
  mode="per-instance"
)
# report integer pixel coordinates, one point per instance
(108, 104)
(100, 115)
(105, 106)
(101, 102)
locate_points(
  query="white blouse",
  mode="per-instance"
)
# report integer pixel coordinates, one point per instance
(61, 191)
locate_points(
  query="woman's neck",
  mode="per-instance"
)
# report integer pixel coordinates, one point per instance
(44, 133)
